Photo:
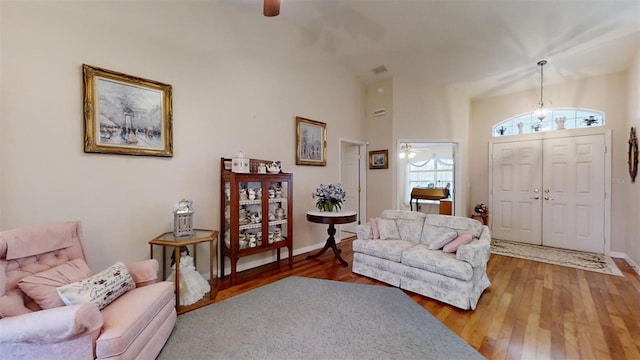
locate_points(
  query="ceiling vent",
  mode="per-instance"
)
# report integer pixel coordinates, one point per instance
(380, 69)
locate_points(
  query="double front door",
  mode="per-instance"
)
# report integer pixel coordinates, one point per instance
(550, 192)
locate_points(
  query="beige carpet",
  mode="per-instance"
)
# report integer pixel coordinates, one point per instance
(575, 259)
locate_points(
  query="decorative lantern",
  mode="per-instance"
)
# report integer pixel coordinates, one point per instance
(240, 163)
(183, 218)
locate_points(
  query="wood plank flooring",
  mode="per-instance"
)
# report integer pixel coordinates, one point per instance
(531, 310)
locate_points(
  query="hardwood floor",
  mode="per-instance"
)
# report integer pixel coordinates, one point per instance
(531, 310)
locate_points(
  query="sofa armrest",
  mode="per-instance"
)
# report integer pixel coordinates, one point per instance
(52, 325)
(364, 231)
(144, 272)
(478, 251)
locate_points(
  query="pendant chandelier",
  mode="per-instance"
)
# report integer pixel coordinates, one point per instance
(271, 8)
(541, 112)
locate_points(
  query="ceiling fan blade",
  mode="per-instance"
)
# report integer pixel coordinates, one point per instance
(271, 8)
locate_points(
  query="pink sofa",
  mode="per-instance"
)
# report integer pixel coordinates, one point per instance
(134, 326)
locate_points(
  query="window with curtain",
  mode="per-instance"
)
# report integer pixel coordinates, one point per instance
(434, 172)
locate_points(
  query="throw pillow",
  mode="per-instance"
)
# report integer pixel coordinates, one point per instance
(388, 229)
(431, 232)
(442, 240)
(101, 288)
(375, 232)
(457, 242)
(41, 287)
(410, 229)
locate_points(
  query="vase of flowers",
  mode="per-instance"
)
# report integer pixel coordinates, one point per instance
(329, 197)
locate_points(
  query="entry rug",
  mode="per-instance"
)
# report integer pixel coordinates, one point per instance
(570, 258)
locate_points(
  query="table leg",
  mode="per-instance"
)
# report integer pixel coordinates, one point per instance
(331, 243)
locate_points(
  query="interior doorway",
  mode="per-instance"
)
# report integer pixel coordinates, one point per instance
(353, 180)
(427, 164)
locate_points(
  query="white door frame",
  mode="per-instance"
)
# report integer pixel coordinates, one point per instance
(455, 143)
(561, 134)
(362, 212)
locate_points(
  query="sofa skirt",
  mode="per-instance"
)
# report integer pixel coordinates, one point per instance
(459, 293)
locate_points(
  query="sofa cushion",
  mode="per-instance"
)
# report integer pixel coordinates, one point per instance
(41, 287)
(402, 214)
(384, 249)
(442, 239)
(436, 261)
(388, 229)
(129, 315)
(410, 230)
(101, 288)
(458, 223)
(453, 246)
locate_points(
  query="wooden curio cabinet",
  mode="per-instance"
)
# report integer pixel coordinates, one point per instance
(255, 214)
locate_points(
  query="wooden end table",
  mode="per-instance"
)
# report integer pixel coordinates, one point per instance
(199, 235)
(331, 218)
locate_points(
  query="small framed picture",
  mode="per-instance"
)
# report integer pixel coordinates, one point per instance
(125, 114)
(379, 159)
(311, 142)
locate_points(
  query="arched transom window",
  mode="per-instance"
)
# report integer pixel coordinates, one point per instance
(556, 119)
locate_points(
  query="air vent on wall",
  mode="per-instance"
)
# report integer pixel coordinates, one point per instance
(379, 112)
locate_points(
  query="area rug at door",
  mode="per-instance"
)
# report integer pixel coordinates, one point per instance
(575, 259)
(303, 318)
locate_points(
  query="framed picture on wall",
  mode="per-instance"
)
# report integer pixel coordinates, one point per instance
(379, 159)
(127, 115)
(311, 142)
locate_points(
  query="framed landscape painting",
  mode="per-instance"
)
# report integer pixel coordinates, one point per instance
(379, 159)
(311, 142)
(127, 115)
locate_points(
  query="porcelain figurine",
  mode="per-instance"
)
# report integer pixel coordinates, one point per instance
(274, 167)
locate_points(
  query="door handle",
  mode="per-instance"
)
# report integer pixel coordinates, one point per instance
(535, 197)
(546, 197)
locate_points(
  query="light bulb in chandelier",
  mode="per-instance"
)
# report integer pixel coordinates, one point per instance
(406, 151)
(541, 113)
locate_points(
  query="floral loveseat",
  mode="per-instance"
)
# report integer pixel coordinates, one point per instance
(37, 261)
(439, 256)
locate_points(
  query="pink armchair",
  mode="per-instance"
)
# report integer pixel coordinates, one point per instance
(134, 326)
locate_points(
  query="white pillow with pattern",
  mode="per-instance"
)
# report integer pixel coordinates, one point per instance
(101, 288)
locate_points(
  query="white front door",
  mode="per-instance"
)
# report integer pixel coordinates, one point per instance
(516, 191)
(574, 193)
(550, 192)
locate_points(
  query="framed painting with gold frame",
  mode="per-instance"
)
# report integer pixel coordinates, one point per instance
(379, 159)
(311, 142)
(125, 114)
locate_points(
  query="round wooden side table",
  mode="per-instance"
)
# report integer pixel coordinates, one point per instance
(331, 218)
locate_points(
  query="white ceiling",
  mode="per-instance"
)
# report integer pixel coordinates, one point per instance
(486, 48)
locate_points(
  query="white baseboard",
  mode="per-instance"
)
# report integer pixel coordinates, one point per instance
(284, 254)
(621, 255)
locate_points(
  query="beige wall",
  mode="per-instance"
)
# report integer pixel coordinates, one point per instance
(430, 113)
(632, 190)
(606, 93)
(239, 80)
(379, 136)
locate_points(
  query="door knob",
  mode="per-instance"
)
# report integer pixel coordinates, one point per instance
(546, 191)
(536, 190)
(535, 197)
(546, 197)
